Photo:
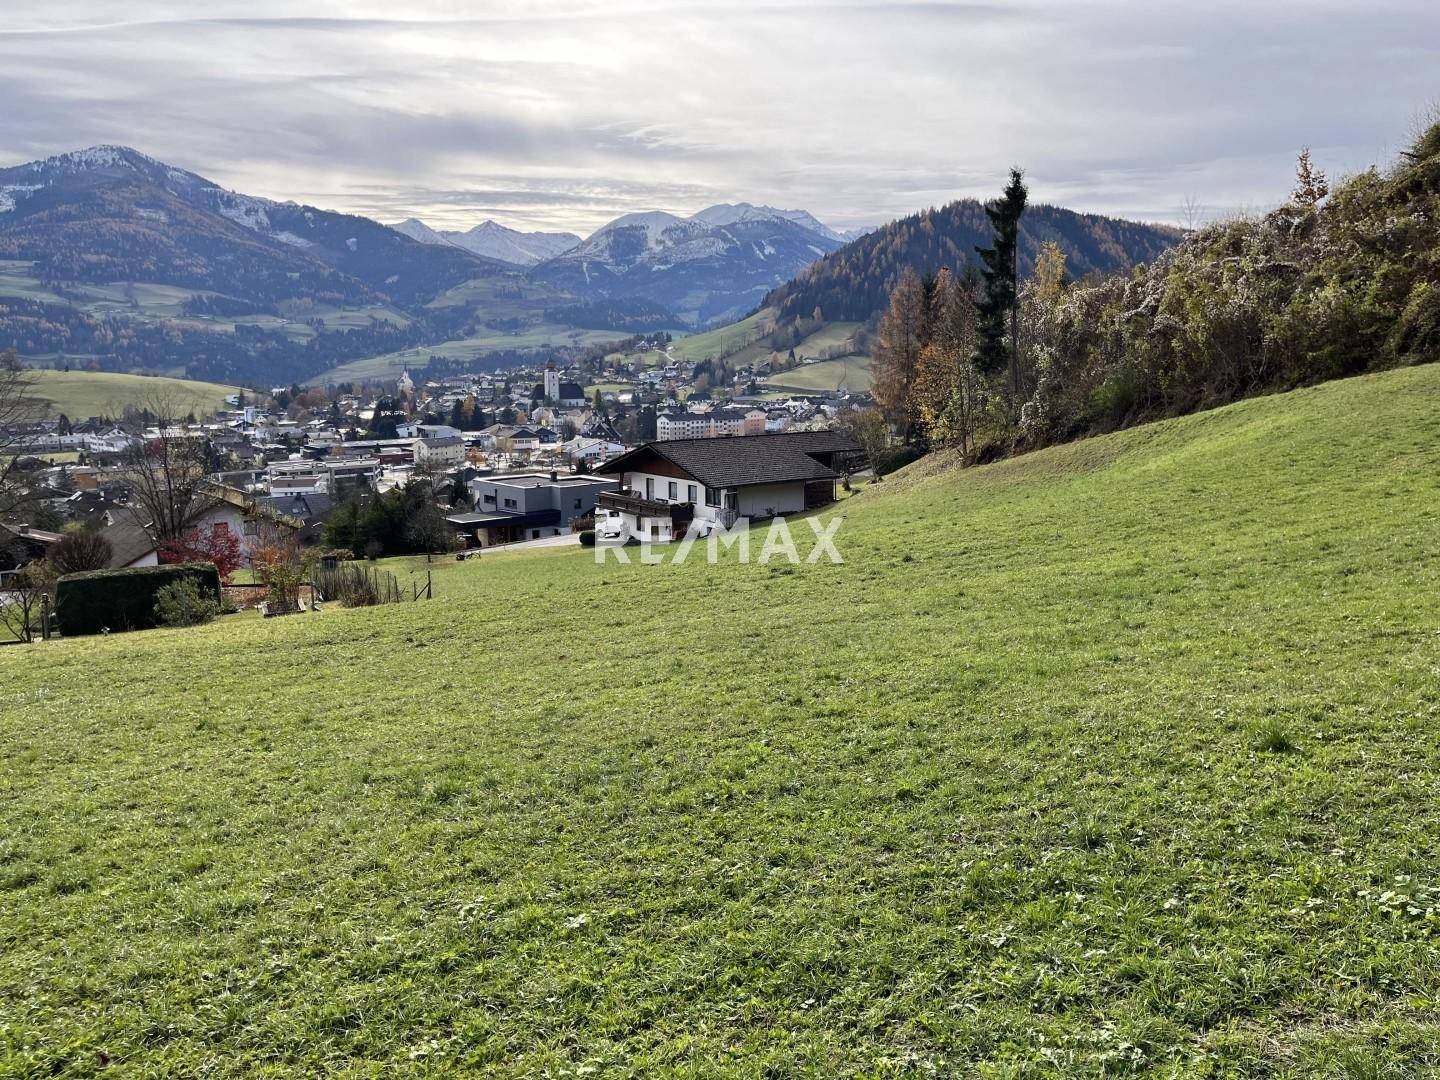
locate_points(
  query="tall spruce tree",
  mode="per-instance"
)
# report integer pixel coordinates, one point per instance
(1000, 279)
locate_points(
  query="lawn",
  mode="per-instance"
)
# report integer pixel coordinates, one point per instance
(1119, 757)
(81, 394)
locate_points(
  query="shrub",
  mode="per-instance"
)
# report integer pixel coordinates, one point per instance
(357, 586)
(80, 551)
(587, 537)
(123, 599)
(181, 603)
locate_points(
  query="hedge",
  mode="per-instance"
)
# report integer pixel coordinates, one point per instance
(123, 599)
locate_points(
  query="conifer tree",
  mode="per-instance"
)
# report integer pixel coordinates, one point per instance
(1310, 183)
(999, 299)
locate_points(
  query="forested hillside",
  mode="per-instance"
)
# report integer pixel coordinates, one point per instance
(1329, 284)
(854, 283)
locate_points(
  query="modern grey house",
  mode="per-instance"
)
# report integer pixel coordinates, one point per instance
(527, 506)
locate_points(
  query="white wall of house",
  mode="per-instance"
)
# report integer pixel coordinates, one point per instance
(686, 490)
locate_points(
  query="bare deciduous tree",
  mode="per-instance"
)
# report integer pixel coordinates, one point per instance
(168, 475)
(869, 428)
(22, 597)
(19, 409)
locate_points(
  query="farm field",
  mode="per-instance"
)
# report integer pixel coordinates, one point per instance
(1115, 758)
(82, 394)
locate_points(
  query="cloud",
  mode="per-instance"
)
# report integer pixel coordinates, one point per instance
(565, 114)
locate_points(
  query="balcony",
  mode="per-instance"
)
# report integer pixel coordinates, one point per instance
(626, 501)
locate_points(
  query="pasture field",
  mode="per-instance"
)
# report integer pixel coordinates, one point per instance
(1116, 758)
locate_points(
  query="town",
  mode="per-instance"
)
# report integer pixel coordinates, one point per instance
(481, 461)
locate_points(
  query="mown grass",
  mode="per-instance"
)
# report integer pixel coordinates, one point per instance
(82, 394)
(994, 796)
(848, 372)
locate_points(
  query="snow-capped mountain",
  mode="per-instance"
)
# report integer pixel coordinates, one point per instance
(729, 213)
(711, 266)
(110, 213)
(491, 240)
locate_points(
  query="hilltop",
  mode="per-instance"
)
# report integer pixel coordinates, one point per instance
(1113, 757)
(854, 282)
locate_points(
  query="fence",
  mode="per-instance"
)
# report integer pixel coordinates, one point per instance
(359, 585)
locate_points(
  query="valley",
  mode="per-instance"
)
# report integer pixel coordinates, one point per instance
(110, 258)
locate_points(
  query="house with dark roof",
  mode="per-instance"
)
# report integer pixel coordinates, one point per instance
(668, 487)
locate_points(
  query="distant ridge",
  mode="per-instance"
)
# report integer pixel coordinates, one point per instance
(854, 282)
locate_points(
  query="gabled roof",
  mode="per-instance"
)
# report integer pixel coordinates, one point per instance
(743, 460)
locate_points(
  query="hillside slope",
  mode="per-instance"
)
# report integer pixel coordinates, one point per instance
(854, 282)
(82, 394)
(1117, 757)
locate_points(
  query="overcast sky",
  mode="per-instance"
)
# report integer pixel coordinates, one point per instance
(564, 113)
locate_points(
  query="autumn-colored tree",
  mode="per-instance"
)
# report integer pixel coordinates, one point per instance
(1050, 278)
(218, 544)
(948, 389)
(898, 346)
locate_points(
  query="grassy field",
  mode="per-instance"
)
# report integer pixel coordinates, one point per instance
(81, 394)
(1118, 758)
(851, 372)
(713, 344)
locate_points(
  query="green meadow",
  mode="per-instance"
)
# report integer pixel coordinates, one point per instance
(1118, 758)
(847, 372)
(82, 394)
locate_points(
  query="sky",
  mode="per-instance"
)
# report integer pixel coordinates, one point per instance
(563, 114)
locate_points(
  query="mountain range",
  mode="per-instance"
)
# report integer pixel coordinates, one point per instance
(110, 258)
(854, 283)
(491, 240)
(111, 214)
(710, 267)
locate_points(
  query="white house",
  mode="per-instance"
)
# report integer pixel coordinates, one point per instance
(669, 487)
(440, 453)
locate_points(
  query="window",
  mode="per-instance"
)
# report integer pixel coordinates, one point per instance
(655, 532)
(578, 503)
(712, 496)
(510, 504)
(649, 487)
(690, 493)
(674, 491)
(490, 496)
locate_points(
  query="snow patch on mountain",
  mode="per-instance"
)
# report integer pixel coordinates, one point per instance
(9, 191)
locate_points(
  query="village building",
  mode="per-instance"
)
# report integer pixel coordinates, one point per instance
(669, 485)
(527, 506)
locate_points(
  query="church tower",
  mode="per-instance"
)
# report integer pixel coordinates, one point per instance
(552, 382)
